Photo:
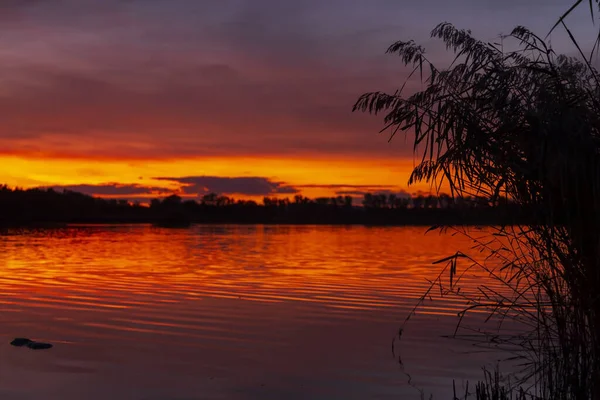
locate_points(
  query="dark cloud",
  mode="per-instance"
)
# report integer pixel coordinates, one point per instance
(181, 119)
(114, 189)
(354, 193)
(361, 193)
(234, 186)
(168, 78)
(193, 185)
(360, 190)
(343, 186)
(250, 186)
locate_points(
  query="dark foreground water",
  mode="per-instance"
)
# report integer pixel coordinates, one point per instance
(226, 312)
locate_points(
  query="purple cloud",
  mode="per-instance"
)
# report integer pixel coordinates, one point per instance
(361, 193)
(250, 186)
(201, 185)
(159, 78)
(193, 185)
(344, 186)
(113, 189)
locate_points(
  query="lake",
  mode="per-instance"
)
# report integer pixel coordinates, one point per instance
(227, 312)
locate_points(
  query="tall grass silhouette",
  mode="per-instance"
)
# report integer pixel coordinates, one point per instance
(515, 121)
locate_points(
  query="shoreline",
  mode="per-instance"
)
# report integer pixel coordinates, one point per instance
(58, 225)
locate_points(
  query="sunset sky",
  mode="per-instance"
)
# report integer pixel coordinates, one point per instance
(250, 98)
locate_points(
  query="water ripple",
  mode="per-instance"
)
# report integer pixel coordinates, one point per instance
(226, 301)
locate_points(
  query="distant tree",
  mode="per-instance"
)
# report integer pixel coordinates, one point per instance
(283, 203)
(481, 202)
(322, 201)
(368, 200)
(190, 204)
(392, 200)
(223, 201)
(431, 201)
(209, 199)
(469, 201)
(270, 201)
(348, 201)
(154, 203)
(402, 203)
(418, 201)
(445, 200)
(172, 200)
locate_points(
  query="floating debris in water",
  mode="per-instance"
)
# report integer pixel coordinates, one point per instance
(39, 345)
(20, 342)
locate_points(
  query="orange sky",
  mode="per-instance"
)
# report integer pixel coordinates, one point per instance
(321, 175)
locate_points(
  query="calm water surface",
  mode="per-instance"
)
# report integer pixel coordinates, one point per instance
(226, 312)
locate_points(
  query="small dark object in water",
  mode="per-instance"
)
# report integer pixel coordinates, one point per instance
(20, 342)
(39, 345)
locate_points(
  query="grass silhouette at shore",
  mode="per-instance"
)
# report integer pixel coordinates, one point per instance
(522, 125)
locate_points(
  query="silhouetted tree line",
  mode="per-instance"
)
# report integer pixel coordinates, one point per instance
(47, 206)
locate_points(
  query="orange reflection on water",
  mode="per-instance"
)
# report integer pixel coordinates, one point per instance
(127, 266)
(225, 301)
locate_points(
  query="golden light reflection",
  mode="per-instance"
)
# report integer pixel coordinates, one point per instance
(134, 297)
(108, 269)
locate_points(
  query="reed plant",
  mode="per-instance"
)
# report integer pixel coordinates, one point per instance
(513, 121)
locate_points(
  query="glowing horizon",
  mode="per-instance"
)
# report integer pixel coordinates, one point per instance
(309, 177)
